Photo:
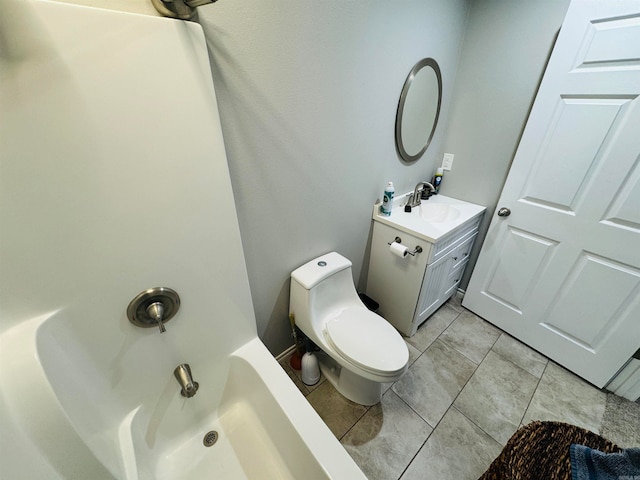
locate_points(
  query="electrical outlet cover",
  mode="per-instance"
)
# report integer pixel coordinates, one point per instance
(447, 161)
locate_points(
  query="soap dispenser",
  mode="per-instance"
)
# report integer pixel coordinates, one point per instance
(387, 200)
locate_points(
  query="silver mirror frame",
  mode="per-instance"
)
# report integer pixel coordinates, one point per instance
(425, 62)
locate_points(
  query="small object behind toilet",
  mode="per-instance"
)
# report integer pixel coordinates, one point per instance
(310, 366)
(310, 369)
(296, 358)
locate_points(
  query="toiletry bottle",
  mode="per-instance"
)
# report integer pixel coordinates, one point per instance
(437, 180)
(387, 201)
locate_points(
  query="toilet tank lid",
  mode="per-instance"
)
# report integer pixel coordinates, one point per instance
(313, 272)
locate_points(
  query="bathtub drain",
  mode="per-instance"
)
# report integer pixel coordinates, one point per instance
(210, 438)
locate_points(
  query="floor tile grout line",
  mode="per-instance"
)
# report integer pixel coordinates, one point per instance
(507, 359)
(452, 405)
(477, 426)
(452, 402)
(414, 411)
(484, 358)
(490, 348)
(460, 392)
(465, 384)
(474, 371)
(440, 421)
(369, 407)
(524, 414)
(437, 336)
(433, 429)
(411, 409)
(416, 454)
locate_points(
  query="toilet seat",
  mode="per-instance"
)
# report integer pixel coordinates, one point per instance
(367, 340)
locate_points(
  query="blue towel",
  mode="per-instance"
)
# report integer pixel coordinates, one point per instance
(590, 464)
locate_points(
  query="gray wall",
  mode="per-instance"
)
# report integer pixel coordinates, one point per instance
(308, 93)
(506, 47)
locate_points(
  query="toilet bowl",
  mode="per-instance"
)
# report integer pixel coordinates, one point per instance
(360, 350)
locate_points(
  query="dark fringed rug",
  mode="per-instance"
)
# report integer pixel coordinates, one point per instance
(540, 450)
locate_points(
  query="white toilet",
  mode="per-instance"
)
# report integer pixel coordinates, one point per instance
(360, 350)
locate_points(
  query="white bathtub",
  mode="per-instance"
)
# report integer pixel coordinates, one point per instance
(266, 429)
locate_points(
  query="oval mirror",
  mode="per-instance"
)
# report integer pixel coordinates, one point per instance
(418, 109)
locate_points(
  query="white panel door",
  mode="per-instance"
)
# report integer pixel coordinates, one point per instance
(562, 271)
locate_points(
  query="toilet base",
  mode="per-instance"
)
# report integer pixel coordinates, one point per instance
(348, 384)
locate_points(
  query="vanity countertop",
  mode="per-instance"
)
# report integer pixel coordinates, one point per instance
(432, 219)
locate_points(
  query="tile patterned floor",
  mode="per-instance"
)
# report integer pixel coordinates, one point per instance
(468, 388)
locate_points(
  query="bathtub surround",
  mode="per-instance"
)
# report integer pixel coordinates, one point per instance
(143, 7)
(100, 199)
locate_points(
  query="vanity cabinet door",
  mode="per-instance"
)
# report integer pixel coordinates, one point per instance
(433, 290)
(442, 279)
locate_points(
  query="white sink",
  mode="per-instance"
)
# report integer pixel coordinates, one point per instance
(432, 219)
(438, 212)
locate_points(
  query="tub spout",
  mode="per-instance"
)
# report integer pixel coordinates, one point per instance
(183, 375)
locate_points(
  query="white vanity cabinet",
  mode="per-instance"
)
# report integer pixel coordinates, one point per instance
(410, 289)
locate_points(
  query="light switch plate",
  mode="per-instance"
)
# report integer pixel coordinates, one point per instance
(447, 161)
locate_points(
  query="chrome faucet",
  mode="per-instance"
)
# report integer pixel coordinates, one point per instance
(414, 199)
(183, 375)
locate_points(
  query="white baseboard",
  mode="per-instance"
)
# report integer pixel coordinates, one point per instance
(627, 383)
(286, 353)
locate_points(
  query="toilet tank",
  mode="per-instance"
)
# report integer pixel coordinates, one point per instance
(320, 287)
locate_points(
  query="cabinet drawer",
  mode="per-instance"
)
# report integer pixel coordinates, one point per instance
(454, 240)
(454, 278)
(461, 253)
